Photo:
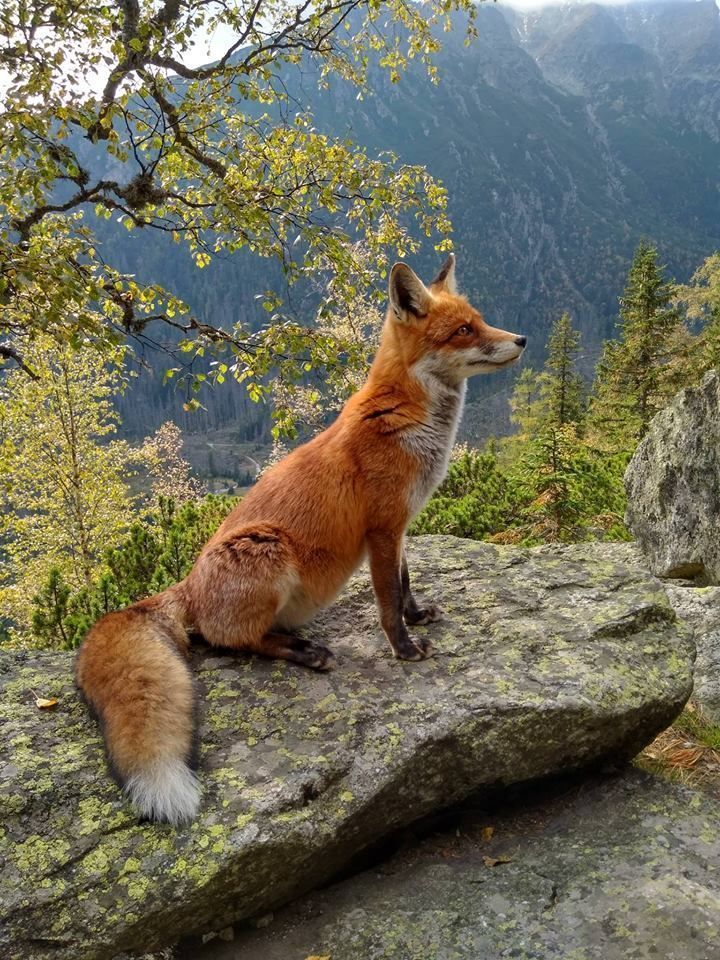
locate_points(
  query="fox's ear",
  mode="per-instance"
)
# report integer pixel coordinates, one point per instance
(445, 279)
(409, 297)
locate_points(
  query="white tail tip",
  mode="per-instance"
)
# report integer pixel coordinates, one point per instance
(167, 791)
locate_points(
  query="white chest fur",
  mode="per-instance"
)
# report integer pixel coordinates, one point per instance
(432, 441)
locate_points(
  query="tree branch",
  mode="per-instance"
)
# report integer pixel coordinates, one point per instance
(9, 352)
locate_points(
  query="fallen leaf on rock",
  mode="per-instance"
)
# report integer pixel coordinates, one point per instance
(44, 703)
(315, 957)
(487, 833)
(494, 861)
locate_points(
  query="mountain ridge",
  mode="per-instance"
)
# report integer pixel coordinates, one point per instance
(563, 135)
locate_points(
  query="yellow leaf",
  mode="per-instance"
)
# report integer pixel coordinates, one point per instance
(44, 704)
(487, 833)
(315, 957)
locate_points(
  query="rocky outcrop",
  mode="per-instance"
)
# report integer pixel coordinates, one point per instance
(620, 867)
(549, 659)
(673, 486)
(699, 608)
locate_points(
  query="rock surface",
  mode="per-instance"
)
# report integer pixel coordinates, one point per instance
(548, 660)
(616, 868)
(699, 608)
(673, 486)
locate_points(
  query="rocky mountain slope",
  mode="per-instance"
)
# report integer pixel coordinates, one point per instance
(564, 135)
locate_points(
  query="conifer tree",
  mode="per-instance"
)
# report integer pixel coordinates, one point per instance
(568, 492)
(562, 388)
(527, 409)
(553, 396)
(158, 550)
(634, 378)
(561, 489)
(701, 299)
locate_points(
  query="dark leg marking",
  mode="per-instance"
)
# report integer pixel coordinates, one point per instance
(413, 614)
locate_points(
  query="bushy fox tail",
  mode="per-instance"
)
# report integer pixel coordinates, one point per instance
(133, 672)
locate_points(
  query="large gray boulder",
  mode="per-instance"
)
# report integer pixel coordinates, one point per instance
(549, 659)
(616, 868)
(699, 609)
(673, 486)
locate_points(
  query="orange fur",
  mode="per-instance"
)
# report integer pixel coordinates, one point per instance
(291, 544)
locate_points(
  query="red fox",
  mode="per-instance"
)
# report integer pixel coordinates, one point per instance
(294, 540)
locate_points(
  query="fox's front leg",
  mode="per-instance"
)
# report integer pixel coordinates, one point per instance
(415, 615)
(385, 554)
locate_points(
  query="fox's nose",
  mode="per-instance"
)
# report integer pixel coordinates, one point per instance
(521, 341)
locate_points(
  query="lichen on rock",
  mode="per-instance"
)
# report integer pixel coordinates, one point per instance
(548, 659)
(673, 486)
(699, 608)
(615, 868)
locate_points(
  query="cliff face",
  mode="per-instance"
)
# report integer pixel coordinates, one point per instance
(562, 135)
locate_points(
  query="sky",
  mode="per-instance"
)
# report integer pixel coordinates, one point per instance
(211, 47)
(208, 48)
(535, 4)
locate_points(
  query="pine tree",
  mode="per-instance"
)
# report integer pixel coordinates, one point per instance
(158, 550)
(634, 379)
(569, 493)
(562, 388)
(701, 298)
(555, 395)
(561, 489)
(474, 501)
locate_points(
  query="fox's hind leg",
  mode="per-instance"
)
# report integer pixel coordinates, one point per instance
(238, 586)
(286, 646)
(413, 614)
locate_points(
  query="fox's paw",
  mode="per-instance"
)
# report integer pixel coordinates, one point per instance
(415, 648)
(317, 657)
(308, 653)
(420, 617)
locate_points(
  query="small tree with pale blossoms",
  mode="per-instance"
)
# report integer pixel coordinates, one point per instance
(350, 334)
(64, 496)
(170, 471)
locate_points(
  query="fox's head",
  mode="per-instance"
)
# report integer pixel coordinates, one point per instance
(440, 333)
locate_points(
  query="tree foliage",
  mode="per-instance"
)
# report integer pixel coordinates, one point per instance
(555, 395)
(635, 376)
(566, 491)
(63, 473)
(701, 300)
(158, 550)
(170, 472)
(107, 115)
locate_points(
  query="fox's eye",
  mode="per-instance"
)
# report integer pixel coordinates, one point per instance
(464, 331)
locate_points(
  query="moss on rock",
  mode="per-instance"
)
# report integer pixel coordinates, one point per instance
(548, 659)
(620, 868)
